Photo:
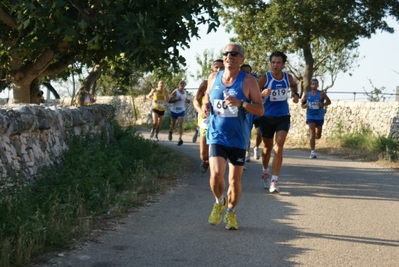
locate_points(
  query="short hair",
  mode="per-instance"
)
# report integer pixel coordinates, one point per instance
(314, 80)
(246, 65)
(278, 54)
(217, 61)
(241, 49)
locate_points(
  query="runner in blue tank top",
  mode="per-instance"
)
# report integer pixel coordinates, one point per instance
(314, 101)
(275, 86)
(228, 131)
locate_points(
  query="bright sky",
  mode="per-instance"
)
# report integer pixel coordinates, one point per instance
(379, 61)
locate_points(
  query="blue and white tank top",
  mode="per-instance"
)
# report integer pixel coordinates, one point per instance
(314, 112)
(276, 105)
(226, 128)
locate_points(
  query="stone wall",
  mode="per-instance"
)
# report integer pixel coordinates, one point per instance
(128, 110)
(32, 136)
(341, 116)
(349, 117)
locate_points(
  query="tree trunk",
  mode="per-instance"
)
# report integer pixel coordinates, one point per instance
(21, 91)
(51, 89)
(309, 61)
(88, 85)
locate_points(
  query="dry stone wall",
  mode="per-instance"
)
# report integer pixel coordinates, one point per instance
(341, 117)
(349, 117)
(32, 136)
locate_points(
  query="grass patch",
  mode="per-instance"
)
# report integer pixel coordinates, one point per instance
(362, 145)
(95, 177)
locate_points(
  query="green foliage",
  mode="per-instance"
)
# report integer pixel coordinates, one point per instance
(42, 38)
(338, 131)
(364, 140)
(300, 26)
(388, 148)
(95, 178)
(205, 63)
(376, 94)
(139, 83)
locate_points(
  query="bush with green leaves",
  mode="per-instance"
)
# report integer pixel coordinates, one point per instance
(95, 177)
(386, 148)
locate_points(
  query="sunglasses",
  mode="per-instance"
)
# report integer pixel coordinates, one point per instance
(232, 53)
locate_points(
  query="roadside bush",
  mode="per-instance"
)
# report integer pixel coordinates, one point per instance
(95, 178)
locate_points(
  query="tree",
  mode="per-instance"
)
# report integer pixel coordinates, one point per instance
(376, 94)
(295, 26)
(40, 39)
(208, 56)
(140, 83)
(327, 61)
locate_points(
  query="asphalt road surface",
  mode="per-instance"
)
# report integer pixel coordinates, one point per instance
(331, 212)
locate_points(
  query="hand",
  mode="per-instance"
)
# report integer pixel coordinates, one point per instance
(296, 99)
(266, 92)
(230, 100)
(206, 108)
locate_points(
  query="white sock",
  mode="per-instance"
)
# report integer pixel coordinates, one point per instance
(312, 151)
(265, 170)
(274, 177)
(220, 200)
(229, 210)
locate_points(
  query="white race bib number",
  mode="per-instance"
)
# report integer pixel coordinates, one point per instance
(313, 105)
(221, 109)
(279, 94)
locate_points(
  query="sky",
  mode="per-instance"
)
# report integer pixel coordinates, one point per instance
(379, 62)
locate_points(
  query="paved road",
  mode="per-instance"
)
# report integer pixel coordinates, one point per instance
(331, 212)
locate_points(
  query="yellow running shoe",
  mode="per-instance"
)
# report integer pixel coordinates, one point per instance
(216, 215)
(231, 221)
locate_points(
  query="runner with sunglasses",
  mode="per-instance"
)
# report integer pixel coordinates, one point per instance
(228, 131)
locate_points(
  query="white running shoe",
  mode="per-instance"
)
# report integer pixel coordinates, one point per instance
(313, 155)
(265, 180)
(274, 187)
(152, 133)
(247, 157)
(256, 152)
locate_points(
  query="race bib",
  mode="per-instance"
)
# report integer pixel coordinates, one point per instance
(178, 109)
(221, 109)
(279, 94)
(313, 105)
(160, 104)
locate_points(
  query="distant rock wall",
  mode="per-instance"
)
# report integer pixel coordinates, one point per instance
(349, 117)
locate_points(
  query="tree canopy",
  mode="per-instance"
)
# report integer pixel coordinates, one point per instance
(43, 38)
(296, 26)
